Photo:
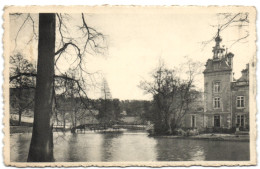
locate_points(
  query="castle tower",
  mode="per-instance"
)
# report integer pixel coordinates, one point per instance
(217, 87)
(218, 52)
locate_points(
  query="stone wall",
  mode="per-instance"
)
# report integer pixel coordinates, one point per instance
(225, 91)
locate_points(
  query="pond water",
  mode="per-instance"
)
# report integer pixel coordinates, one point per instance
(131, 146)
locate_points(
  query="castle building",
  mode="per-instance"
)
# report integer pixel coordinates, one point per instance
(226, 100)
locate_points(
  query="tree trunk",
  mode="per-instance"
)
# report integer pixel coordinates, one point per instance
(20, 103)
(75, 118)
(169, 125)
(20, 117)
(64, 121)
(41, 147)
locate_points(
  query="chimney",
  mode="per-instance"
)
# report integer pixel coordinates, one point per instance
(245, 72)
(230, 59)
(247, 66)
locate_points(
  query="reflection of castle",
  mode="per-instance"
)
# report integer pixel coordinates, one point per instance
(226, 100)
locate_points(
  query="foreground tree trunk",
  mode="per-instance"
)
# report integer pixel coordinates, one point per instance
(41, 147)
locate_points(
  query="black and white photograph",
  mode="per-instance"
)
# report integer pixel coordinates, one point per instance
(129, 86)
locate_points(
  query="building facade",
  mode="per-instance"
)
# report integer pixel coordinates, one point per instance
(226, 100)
(240, 100)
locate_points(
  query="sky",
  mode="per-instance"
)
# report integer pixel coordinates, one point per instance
(136, 41)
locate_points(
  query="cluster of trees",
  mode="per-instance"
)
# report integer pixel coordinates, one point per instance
(69, 111)
(109, 111)
(69, 106)
(135, 107)
(50, 79)
(112, 110)
(22, 87)
(106, 112)
(173, 97)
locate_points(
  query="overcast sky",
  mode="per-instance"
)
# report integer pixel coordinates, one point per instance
(136, 42)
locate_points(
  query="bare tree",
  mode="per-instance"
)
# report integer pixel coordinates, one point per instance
(67, 46)
(21, 86)
(231, 20)
(41, 147)
(172, 97)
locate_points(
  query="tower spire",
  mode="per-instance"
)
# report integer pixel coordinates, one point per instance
(218, 52)
(218, 38)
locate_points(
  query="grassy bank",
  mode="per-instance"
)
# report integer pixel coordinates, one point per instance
(20, 129)
(24, 127)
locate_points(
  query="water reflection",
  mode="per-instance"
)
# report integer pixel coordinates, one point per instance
(237, 151)
(19, 144)
(72, 149)
(109, 146)
(131, 146)
(179, 149)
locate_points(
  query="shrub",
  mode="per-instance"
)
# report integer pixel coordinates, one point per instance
(180, 132)
(220, 130)
(192, 132)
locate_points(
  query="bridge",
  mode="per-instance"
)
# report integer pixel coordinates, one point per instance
(93, 127)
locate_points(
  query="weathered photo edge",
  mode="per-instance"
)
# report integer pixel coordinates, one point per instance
(75, 9)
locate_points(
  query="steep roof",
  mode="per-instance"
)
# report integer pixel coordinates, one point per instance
(214, 65)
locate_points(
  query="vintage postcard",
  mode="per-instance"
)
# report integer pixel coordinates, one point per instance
(129, 86)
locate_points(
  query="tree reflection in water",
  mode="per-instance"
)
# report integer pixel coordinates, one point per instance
(201, 150)
(19, 145)
(132, 146)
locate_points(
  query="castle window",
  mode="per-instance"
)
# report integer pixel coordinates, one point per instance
(216, 87)
(217, 121)
(193, 121)
(216, 102)
(240, 101)
(240, 120)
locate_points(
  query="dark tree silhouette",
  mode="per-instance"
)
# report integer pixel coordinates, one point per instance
(172, 96)
(50, 78)
(21, 86)
(41, 147)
